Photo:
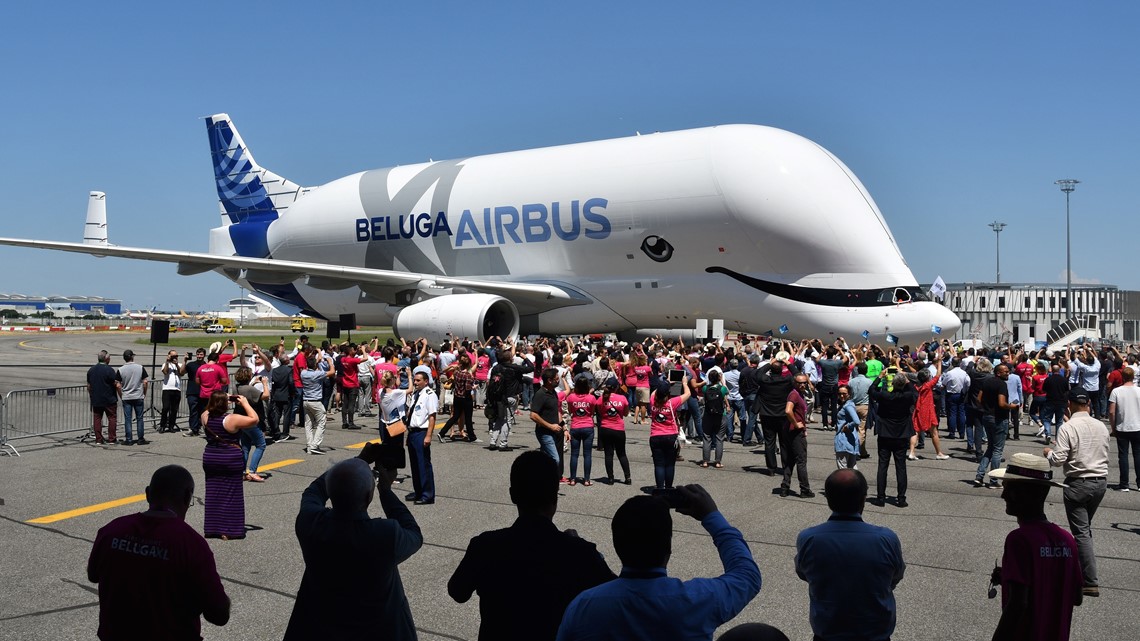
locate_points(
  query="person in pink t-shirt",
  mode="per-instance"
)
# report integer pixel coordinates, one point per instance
(612, 409)
(1040, 574)
(156, 574)
(581, 404)
(663, 431)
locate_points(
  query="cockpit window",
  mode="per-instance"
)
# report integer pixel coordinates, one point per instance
(902, 295)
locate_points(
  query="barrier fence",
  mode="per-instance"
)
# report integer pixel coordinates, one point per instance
(43, 412)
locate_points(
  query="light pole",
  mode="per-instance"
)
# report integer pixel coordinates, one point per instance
(997, 227)
(1067, 185)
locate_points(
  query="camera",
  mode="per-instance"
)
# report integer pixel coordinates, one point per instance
(672, 497)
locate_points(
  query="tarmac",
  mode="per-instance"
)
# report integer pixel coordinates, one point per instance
(951, 534)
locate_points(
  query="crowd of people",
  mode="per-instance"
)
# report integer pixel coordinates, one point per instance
(582, 396)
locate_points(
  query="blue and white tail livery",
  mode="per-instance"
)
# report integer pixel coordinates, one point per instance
(249, 195)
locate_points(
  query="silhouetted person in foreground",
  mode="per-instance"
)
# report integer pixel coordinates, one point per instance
(156, 574)
(527, 574)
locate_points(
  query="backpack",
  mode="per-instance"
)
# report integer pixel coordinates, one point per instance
(495, 387)
(714, 400)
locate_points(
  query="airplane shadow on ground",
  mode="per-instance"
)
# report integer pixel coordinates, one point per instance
(1126, 527)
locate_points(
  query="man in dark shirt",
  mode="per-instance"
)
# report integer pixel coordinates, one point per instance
(1056, 402)
(793, 439)
(351, 588)
(193, 393)
(552, 566)
(773, 382)
(748, 394)
(546, 412)
(828, 385)
(993, 399)
(103, 386)
(281, 400)
(156, 574)
(895, 397)
(511, 376)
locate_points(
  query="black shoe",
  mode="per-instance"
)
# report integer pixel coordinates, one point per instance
(877, 502)
(142, 441)
(1090, 590)
(902, 503)
(864, 456)
(423, 502)
(128, 443)
(353, 426)
(807, 494)
(784, 492)
(287, 437)
(979, 483)
(628, 481)
(412, 496)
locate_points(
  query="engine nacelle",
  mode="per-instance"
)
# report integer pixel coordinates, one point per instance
(476, 316)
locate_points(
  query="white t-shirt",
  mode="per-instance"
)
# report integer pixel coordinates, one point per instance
(1127, 400)
(392, 405)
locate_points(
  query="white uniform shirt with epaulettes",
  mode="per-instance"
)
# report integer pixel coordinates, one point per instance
(427, 403)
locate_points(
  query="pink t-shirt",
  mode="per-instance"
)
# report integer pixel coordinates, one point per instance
(156, 576)
(1043, 556)
(482, 368)
(629, 376)
(642, 372)
(212, 377)
(664, 417)
(581, 408)
(613, 411)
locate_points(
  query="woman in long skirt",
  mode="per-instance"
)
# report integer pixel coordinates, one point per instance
(224, 465)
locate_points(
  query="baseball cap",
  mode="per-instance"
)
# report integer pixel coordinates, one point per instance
(1078, 395)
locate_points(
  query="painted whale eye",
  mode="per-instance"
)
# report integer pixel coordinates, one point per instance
(657, 248)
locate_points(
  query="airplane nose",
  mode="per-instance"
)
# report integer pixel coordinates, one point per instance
(947, 320)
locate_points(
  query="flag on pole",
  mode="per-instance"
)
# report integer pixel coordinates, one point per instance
(783, 329)
(892, 339)
(938, 289)
(936, 330)
(866, 334)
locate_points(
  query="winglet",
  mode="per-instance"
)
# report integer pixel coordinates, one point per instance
(95, 231)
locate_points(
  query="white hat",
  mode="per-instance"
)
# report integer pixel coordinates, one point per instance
(215, 347)
(1026, 467)
(783, 356)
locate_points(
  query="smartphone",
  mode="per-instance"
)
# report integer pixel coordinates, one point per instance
(676, 375)
(892, 370)
(234, 398)
(672, 497)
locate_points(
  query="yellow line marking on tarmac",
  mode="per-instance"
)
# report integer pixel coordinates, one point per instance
(360, 446)
(90, 509)
(24, 344)
(99, 507)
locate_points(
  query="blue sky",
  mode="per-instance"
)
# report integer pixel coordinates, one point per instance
(953, 115)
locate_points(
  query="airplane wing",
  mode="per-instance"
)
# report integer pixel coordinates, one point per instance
(530, 298)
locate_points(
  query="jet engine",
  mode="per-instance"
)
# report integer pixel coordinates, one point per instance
(475, 316)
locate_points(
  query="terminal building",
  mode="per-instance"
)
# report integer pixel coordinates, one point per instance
(61, 305)
(1026, 312)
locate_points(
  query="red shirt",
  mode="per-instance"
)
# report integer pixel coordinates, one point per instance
(1043, 557)
(350, 373)
(581, 408)
(212, 377)
(156, 576)
(799, 409)
(298, 365)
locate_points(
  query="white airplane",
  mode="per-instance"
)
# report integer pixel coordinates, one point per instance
(753, 225)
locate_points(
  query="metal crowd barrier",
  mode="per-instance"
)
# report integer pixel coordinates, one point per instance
(42, 412)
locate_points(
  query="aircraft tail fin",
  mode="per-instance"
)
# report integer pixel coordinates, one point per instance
(95, 231)
(247, 192)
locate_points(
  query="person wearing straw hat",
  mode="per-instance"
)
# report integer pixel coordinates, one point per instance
(1040, 574)
(1082, 452)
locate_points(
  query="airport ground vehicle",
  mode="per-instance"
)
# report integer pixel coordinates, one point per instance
(218, 328)
(303, 325)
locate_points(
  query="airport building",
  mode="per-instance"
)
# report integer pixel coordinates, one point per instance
(1026, 312)
(61, 305)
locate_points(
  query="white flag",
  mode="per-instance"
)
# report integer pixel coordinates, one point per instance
(938, 289)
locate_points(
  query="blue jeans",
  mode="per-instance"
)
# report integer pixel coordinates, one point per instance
(548, 446)
(254, 439)
(664, 450)
(750, 430)
(581, 438)
(1052, 415)
(956, 414)
(1126, 441)
(134, 408)
(195, 406)
(974, 430)
(827, 400)
(693, 407)
(996, 431)
(735, 408)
